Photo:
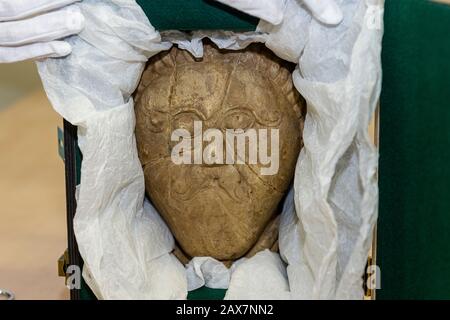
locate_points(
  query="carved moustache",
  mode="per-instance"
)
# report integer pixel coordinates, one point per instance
(194, 179)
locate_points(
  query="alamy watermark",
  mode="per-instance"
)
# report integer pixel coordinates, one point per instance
(373, 279)
(235, 146)
(73, 277)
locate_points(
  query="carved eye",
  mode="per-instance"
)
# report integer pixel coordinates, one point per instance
(185, 120)
(156, 121)
(239, 119)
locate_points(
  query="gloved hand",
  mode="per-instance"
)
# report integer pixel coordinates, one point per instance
(325, 11)
(29, 28)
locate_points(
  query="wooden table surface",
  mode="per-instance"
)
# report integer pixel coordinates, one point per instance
(32, 200)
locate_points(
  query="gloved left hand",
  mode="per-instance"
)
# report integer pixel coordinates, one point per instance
(29, 28)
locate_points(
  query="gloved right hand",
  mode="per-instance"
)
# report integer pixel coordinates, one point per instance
(29, 28)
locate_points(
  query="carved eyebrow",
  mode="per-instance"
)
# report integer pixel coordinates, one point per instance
(187, 110)
(158, 110)
(148, 110)
(259, 119)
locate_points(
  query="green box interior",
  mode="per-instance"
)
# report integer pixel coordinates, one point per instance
(195, 15)
(414, 172)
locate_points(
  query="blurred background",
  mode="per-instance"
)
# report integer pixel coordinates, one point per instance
(32, 190)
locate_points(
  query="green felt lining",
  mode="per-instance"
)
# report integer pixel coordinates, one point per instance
(414, 216)
(195, 15)
(205, 293)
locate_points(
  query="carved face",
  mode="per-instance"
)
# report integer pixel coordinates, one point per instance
(217, 209)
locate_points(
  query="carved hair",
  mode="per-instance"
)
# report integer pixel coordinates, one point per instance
(256, 56)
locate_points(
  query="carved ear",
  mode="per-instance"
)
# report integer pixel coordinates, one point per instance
(157, 66)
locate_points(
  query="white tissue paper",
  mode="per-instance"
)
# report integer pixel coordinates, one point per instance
(328, 216)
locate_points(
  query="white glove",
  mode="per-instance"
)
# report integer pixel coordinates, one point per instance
(29, 28)
(326, 11)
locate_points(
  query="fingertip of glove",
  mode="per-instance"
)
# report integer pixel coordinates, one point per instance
(61, 49)
(75, 19)
(276, 19)
(332, 15)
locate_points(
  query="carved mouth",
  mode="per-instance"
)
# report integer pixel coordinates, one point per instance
(198, 179)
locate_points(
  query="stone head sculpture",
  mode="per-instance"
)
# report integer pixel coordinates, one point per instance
(217, 200)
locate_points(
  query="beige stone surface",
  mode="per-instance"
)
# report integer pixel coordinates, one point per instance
(32, 200)
(217, 210)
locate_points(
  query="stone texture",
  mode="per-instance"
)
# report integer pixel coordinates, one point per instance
(217, 210)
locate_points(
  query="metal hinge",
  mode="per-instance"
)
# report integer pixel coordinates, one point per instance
(370, 293)
(63, 263)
